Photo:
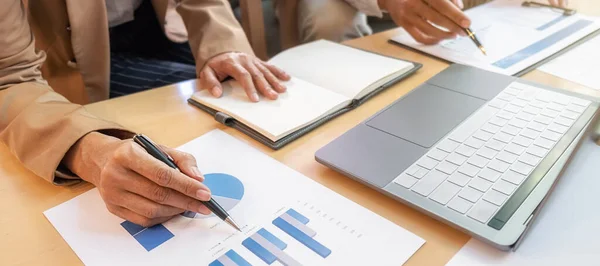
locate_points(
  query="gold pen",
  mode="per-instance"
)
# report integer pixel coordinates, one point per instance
(472, 36)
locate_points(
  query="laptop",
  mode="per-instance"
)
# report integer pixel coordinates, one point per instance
(475, 149)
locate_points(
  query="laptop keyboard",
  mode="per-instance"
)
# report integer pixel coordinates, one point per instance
(476, 168)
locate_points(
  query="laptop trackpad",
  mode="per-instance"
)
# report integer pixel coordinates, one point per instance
(425, 115)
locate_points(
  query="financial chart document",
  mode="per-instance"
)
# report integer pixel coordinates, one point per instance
(286, 219)
(515, 37)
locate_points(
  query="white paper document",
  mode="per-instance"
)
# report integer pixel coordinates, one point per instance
(566, 230)
(515, 37)
(286, 219)
(580, 65)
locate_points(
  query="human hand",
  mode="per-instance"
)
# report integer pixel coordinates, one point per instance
(252, 73)
(559, 3)
(418, 18)
(134, 185)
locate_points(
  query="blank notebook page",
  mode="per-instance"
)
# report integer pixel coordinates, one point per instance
(301, 104)
(337, 67)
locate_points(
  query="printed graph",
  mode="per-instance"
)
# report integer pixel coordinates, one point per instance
(226, 189)
(148, 237)
(268, 248)
(231, 258)
(295, 224)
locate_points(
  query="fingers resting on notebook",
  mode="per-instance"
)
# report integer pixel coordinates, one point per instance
(428, 21)
(253, 74)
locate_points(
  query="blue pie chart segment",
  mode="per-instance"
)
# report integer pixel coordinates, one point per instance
(226, 189)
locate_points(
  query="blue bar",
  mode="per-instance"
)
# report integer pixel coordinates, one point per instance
(301, 218)
(132, 228)
(541, 45)
(551, 23)
(153, 236)
(216, 263)
(259, 251)
(302, 237)
(237, 258)
(273, 239)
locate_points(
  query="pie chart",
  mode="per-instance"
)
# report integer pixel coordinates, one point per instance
(226, 189)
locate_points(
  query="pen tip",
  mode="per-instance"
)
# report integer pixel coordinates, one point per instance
(230, 221)
(483, 50)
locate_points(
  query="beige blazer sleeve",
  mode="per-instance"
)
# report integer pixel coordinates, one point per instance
(212, 29)
(36, 123)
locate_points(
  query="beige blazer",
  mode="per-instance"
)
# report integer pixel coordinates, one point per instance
(69, 60)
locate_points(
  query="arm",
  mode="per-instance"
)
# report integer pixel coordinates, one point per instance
(37, 124)
(47, 132)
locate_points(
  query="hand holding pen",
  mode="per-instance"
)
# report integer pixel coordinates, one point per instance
(133, 184)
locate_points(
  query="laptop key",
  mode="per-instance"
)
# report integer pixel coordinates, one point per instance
(489, 174)
(444, 193)
(459, 179)
(448, 145)
(437, 154)
(482, 211)
(406, 180)
(469, 169)
(465, 150)
(421, 173)
(456, 158)
(507, 157)
(513, 177)
(460, 205)
(495, 197)
(505, 187)
(429, 182)
(480, 184)
(446, 167)
(470, 194)
(427, 163)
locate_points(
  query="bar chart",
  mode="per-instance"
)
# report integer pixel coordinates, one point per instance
(230, 258)
(226, 189)
(295, 224)
(148, 237)
(268, 248)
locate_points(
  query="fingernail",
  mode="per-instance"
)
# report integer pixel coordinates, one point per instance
(465, 23)
(203, 195)
(461, 5)
(282, 87)
(254, 97)
(197, 173)
(216, 91)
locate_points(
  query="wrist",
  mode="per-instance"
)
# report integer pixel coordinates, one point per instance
(87, 156)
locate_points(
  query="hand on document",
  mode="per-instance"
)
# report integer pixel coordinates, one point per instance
(134, 185)
(431, 21)
(424, 19)
(253, 74)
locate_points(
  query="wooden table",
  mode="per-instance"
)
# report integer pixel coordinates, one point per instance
(27, 238)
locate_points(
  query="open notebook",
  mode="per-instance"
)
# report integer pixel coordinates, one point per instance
(328, 79)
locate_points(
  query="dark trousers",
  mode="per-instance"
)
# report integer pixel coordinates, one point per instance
(142, 57)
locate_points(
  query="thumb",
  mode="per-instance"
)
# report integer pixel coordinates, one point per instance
(186, 163)
(209, 81)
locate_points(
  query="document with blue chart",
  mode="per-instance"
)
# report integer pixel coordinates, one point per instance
(286, 219)
(515, 37)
